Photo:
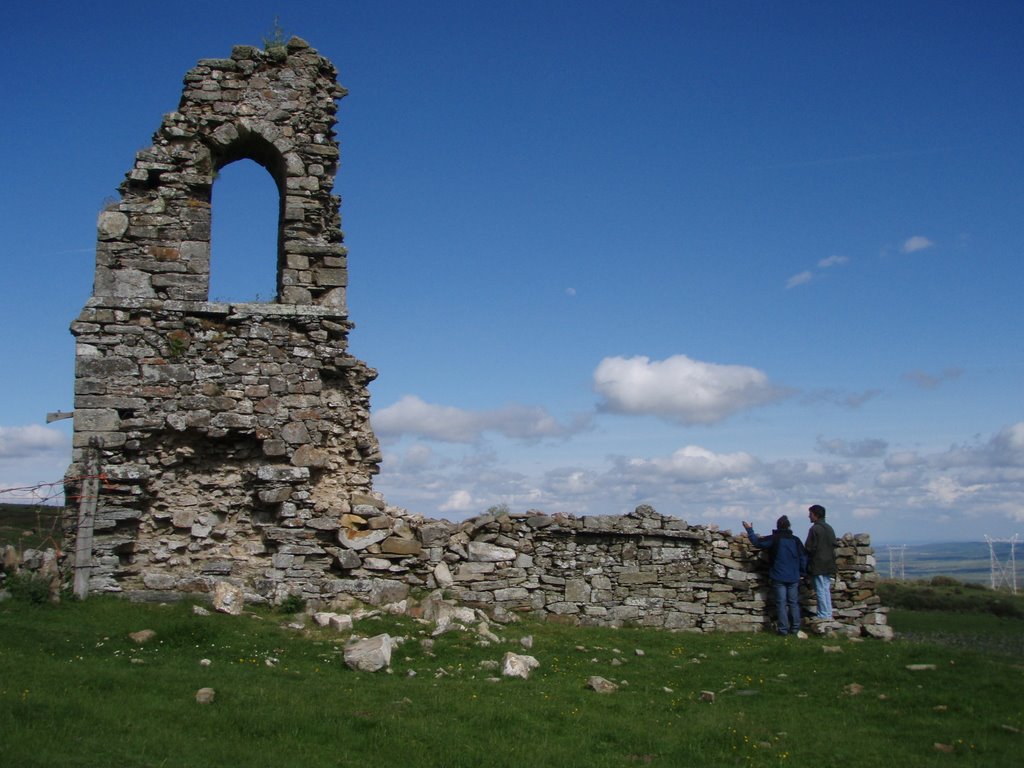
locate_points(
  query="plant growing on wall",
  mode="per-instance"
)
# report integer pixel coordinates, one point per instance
(177, 343)
(275, 42)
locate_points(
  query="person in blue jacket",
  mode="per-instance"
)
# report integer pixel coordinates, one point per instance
(788, 560)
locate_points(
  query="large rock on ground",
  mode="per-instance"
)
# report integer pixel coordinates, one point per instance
(227, 598)
(518, 665)
(369, 655)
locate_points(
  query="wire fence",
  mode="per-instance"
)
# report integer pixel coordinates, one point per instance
(32, 516)
(46, 493)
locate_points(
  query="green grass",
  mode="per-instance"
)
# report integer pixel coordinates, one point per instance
(35, 526)
(71, 695)
(942, 593)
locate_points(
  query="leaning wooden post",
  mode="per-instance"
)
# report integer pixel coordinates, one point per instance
(86, 517)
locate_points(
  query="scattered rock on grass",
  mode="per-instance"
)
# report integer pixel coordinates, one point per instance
(518, 665)
(369, 655)
(601, 685)
(205, 695)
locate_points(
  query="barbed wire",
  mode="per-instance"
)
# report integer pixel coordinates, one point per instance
(43, 493)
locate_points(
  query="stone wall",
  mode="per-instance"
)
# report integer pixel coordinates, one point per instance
(221, 429)
(642, 568)
(608, 570)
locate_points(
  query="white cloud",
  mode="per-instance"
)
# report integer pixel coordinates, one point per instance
(1007, 447)
(902, 478)
(692, 464)
(916, 243)
(1004, 449)
(570, 481)
(459, 501)
(833, 261)
(946, 489)
(902, 459)
(412, 416)
(680, 389)
(22, 442)
(802, 278)
(570, 291)
(796, 473)
(905, 494)
(799, 279)
(857, 449)
(866, 513)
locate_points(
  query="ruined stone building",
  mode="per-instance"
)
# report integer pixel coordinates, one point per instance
(224, 431)
(233, 439)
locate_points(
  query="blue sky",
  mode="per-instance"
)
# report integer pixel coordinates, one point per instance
(726, 258)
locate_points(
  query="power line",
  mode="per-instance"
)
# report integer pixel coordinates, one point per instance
(1003, 573)
(896, 566)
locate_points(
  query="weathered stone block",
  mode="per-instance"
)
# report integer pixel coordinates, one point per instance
(489, 553)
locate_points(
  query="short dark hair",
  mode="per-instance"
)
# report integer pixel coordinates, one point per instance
(817, 510)
(782, 523)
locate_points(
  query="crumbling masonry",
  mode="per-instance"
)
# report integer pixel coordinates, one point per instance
(233, 440)
(226, 431)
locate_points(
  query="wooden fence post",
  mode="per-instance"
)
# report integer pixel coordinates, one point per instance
(86, 518)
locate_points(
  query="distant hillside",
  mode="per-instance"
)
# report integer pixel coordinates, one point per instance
(964, 561)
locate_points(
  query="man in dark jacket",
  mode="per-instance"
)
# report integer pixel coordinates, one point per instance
(788, 564)
(821, 547)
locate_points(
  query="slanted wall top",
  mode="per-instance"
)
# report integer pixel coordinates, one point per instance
(274, 107)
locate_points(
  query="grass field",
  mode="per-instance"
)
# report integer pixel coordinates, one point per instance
(32, 526)
(76, 691)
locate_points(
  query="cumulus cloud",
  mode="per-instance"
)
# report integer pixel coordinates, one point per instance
(412, 416)
(1005, 449)
(892, 496)
(901, 478)
(929, 381)
(795, 473)
(801, 278)
(459, 501)
(916, 243)
(22, 442)
(902, 460)
(691, 464)
(857, 449)
(680, 389)
(570, 481)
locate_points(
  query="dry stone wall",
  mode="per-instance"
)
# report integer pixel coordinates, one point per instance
(608, 570)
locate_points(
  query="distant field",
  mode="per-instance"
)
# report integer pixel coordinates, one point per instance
(30, 525)
(965, 561)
